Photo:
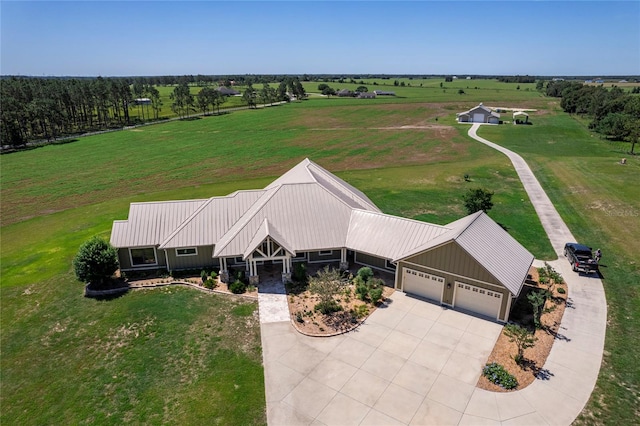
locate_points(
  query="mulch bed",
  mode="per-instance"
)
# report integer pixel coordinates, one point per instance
(535, 357)
(317, 324)
(194, 281)
(314, 323)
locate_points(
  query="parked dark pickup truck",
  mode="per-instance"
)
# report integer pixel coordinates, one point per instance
(580, 258)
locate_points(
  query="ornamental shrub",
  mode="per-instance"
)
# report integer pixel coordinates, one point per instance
(237, 287)
(95, 262)
(365, 273)
(498, 375)
(327, 307)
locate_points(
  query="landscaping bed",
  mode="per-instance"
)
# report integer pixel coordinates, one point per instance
(305, 306)
(192, 278)
(535, 357)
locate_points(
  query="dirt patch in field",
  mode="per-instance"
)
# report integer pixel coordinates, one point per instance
(535, 357)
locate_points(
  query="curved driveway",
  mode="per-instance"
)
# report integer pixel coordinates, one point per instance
(413, 362)
(574, 362)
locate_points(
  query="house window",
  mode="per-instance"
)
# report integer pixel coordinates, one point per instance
(187, 251)
(300, 257)
(389, 265)
(325, 253)
(145, 256)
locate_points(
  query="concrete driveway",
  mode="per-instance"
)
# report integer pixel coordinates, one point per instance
(411, 362)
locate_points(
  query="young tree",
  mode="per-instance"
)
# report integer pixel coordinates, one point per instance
(95, 262)
(182, 100)
(478, 199)
(249, 96)
(537, 300)
(327, 284)
(282, 92)
(521, 337)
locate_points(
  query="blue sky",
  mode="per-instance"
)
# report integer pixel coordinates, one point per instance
(420, 37)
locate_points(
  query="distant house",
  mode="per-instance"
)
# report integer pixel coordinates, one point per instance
(344, 93)
(557, 79)
(468, 77)
(599, 81)
(142, 101)
(227, 91)
(384, 93)
(588, 81)
(623, 81)
(479, 114)
(366, 95)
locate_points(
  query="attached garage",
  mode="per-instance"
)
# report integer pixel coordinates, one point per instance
(423, 284)
(477, 299)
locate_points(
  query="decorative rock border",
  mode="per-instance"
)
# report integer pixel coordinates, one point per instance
(110, 292)
(294, 322)
(97, 293)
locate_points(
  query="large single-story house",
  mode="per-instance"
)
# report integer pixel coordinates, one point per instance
(479, 114)
(308, 214)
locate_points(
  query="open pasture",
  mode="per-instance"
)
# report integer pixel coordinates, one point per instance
(409, 163)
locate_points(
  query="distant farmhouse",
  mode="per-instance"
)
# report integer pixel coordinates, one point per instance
(384, 93)
(479, 114)
(142, 101)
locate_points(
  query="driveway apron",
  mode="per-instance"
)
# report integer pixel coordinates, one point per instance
(416, 363)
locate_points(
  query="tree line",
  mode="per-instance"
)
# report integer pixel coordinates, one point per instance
(614, 113)
(47, 108)
(41, 108)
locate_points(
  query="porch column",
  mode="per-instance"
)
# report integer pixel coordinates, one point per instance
(253, 272)
(286, 269)
(344, 265)
(224, 272)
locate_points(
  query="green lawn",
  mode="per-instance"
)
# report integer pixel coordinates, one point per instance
(55, 197)
(599, 200)
(171, 355)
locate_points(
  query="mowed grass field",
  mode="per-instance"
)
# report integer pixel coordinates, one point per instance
(409, 159)
(599, 199)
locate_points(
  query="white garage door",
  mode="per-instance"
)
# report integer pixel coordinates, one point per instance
(423, 285)
(478, 118)
(476, 299)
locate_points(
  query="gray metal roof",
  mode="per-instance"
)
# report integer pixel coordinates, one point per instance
(150, 223)
(307, 216)
(309, 172)
(482, 107)
(388, 236)
(497, 251)
(267, 230)
(212, 220)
